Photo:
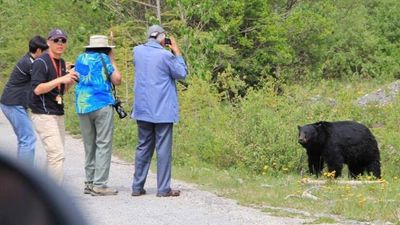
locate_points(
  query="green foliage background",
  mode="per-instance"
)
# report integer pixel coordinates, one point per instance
(254, 66)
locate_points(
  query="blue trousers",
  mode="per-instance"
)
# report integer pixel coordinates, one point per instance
(22, 125)
(153, 136)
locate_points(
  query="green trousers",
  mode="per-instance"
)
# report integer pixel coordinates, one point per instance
(97, 132)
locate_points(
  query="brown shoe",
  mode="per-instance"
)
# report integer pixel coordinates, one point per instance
(138, 193)
(171, 193)
(102, 191)
(88, 187)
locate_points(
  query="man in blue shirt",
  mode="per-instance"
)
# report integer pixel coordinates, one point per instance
(156, 107)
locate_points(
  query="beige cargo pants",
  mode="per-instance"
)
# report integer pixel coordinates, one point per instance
(51, 130)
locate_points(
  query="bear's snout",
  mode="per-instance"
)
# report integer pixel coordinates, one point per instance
(302, 140)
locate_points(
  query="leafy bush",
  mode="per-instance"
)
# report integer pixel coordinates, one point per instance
(259, 133)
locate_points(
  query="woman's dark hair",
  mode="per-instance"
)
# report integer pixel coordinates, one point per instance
(37, 42)
(99, 50)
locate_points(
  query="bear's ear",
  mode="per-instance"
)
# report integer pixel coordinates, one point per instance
(324, 123)
(299, 127)
(321, 124)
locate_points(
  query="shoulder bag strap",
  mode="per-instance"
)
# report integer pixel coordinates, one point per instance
(108, 77)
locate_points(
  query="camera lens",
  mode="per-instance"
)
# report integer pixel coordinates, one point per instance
(120, 110)
(167, 41)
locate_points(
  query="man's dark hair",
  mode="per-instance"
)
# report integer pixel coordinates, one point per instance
(99, 50)
(37, 42)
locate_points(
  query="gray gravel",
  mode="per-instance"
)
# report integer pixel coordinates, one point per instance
(192, 207)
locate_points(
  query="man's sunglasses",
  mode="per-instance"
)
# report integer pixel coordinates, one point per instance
(57, 40)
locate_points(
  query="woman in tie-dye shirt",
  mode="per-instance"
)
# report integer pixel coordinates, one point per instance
(94, 105)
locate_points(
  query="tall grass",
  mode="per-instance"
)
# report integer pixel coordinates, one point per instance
(259, 134)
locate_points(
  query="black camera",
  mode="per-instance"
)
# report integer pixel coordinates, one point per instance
(120, 110)
(167, 41)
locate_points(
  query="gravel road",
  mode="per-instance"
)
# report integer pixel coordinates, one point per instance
(194, 207)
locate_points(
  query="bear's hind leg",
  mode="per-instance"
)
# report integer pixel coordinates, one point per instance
(354, 171)
(374, 168)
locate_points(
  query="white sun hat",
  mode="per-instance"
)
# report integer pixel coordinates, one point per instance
(99, 41)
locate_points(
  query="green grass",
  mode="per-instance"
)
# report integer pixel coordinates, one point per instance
(361, 202)
(323, 220)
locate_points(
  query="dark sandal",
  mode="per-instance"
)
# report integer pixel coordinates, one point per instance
(171, 193)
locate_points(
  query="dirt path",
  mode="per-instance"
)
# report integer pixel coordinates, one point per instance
(192, 207)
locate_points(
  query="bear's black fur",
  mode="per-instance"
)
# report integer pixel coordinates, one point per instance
(338, 143)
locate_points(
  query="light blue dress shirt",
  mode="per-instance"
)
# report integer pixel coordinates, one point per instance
(156, 70)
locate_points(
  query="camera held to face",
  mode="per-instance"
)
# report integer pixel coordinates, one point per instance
(120, 110)
(167, 41)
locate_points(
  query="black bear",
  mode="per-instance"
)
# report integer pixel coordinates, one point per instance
(338, 143)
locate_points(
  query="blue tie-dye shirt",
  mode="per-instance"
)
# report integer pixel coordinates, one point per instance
(93, 91)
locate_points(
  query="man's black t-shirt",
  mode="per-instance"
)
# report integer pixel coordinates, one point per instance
(43, 71)
(18, 88)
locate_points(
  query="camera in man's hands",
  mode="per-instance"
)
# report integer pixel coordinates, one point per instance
(167, 41)
(120, 110)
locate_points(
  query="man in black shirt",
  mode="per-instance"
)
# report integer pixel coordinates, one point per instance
(15, 97)
(50, 80)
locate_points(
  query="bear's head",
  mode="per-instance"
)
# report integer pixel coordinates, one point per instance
(310, 134)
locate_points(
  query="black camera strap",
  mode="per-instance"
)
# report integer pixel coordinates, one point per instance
(114, 91)
(121, 113)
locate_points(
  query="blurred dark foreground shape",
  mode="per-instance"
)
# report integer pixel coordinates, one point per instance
(28, 197)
